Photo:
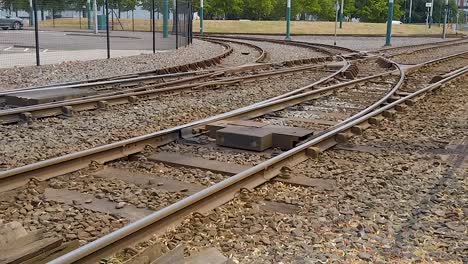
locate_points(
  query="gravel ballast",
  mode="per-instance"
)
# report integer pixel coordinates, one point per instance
(86, 70)
(401, 200)
(420, 57)
(53, 137)
(360, 43)
(279, 52)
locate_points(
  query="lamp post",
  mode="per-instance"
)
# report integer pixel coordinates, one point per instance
(95, 17)
(337, 8)
(410, 10)
(445, 20)
(88, 13)
(388, 38)
(201, 17)
(165, 18)
(288, 21)
(430, 14)
(341, 13)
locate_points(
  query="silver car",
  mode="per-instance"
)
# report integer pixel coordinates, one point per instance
(7, 22)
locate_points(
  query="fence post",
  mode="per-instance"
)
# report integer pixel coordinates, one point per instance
(107, 29)
(176, 21)
(191, 24)
(154, 27)
(36, 32)
(185, 28)
(165, 18)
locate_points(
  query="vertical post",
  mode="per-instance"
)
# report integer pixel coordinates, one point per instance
(337, 8)
(133, 20)
(176, 21)
(430, 14)
(341, 13)
(410, 10)
(53, 18)
(288, 21)
(445, 20)
(112, 17)
(191, 23)
(427, 18)
(202, 29)
(186, 29)
(88, 13)
(81, 15)
(165, 18)
(31, 13)
(154, 26)
(107, 29)
(388, 38)
(95, 17)
(36, 31)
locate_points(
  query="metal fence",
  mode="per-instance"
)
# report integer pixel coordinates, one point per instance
(54, 31)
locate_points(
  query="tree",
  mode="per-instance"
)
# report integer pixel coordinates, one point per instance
(218, 8)
(255, 9)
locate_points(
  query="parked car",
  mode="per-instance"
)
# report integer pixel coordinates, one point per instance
(397, 22)
(7, 22)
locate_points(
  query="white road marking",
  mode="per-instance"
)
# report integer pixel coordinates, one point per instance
(9, 48)
(26, 49)
(45, 50)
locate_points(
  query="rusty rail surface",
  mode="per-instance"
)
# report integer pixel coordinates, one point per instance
(179, 70)
(226, 190)
(317, 46)
(146, 92)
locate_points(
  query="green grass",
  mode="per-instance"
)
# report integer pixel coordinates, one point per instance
(306, 27)
(256, 27)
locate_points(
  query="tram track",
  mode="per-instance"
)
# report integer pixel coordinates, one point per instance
(149, 91)
(368, 112)
(302, 91)
(225, 190)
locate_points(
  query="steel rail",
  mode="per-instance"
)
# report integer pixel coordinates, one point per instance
(131, 96)
(221, 192)
(281, 42)
(46, 169)
(411, 52)
(146, 86)
(173, 71)
(441, 43)
(206, 199)
(318, 46)
(258, 48)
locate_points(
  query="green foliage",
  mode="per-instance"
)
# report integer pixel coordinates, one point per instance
(366, 10)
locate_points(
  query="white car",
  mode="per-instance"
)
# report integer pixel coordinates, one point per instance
(396, 22)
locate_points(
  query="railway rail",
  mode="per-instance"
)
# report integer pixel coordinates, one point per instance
(395, 51)
(148, 91)
(223, 191)
(202, 67)
(385, 98)
(328, 49)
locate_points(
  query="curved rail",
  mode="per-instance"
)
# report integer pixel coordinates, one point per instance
(434, 46)
(259, 49)
(318, 46)
(174, 71)
(208, 198)
(67, 107)
(223, 191)
(16, 177)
